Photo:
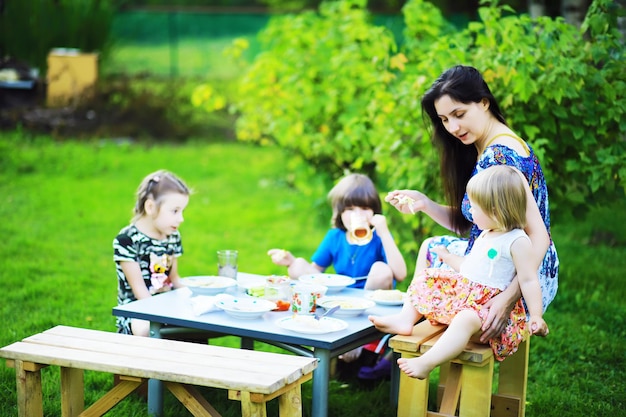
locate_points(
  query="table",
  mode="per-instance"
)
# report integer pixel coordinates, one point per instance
(174, 308)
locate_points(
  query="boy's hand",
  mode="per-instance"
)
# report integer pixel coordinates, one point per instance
(379, 222)
(281, 257)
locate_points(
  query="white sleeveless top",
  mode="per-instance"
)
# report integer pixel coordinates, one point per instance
(490, 262)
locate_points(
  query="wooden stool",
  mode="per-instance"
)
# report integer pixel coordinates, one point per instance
(472, 369)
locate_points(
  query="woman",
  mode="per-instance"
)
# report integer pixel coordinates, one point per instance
(471, 134)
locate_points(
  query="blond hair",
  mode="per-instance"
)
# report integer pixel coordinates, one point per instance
(500, 192)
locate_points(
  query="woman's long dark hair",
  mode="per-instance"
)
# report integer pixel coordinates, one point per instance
(466, 85)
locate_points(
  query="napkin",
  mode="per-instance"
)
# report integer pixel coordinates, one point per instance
(202, 304)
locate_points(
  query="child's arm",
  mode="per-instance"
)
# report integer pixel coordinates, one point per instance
(454, 261)
(521, 250)
(132, 271)
(296, 267)
(395, 260)
(174, 276)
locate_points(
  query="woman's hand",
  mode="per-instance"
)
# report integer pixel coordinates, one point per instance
(500, 308)
(281, 257)
(407, 201)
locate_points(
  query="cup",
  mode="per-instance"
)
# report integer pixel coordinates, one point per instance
(360, 232)
(305, 296)
(227, 263)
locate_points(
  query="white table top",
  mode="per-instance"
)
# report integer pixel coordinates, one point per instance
(175, 308)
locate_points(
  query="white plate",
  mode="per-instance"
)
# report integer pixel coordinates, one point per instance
(333, 282)
(349, 306)
(308, 324)
(208, 284)
(246, 281)
(387, 297)
(246, 307)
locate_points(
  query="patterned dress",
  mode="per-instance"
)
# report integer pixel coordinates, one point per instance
(529, 166)
(439, 294)
(155, 258)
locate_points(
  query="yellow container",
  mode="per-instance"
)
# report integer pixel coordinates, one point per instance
(71, 76)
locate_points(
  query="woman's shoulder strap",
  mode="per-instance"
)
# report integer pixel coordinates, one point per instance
(517, 138)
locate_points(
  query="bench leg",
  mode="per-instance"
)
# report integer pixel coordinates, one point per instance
(512, 384)
(72, 392)
(252, 409)
(193, 401)
(120, 391)
(290, 403)
(476, 394)
(412, 395)
(29, 395)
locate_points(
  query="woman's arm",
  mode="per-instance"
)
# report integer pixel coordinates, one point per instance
(417, 202)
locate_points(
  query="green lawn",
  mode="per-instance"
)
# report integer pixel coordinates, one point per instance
(64, 202)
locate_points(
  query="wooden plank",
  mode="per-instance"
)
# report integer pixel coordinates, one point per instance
(112, 398)
(173, 345)
(72, 392)
(94, 340)
(29, 394)
(233, 362)
(476, 384)
(422, 332)
(192, 400)
(157, 368)
(450, 397)
(474, 353)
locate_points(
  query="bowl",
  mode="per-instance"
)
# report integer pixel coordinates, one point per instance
(349, 306)
(208, 284)
(246, 308)
(333, 282)
(387, 297)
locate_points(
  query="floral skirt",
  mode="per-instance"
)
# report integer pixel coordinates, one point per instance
(439, 294)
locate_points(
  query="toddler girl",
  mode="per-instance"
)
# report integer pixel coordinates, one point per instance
(498, 207)
(146, 251)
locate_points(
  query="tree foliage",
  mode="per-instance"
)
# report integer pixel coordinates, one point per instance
(341, 94)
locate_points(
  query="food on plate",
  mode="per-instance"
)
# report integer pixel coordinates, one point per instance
(282, 305)
(405, 199)
(308, 321)
(387, 295)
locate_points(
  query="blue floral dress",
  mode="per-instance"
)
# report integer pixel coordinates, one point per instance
(503, 155)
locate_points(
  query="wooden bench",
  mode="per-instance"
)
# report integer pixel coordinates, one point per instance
(465, 383)
(252, 377)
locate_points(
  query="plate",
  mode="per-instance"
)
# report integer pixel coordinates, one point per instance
(246, 307)
(208, 284)
(308, 324)
(333, 282)
(350, 306)
(246, 281)
(387, 297)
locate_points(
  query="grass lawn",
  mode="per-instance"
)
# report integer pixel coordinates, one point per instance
(64, 202)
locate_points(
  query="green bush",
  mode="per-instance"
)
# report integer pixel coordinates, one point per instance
(30, 29)
(338, 92)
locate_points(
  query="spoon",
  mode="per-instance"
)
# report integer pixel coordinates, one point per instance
(319, 314)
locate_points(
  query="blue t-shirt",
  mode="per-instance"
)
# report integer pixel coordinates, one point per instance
(351, 260)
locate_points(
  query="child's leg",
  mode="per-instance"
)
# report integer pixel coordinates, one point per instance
(401, 323)
(449, 346)
(380, 277)
(140, 327)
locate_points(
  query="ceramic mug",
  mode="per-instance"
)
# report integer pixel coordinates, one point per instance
(305, 296)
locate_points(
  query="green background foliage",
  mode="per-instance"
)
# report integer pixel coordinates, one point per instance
(341, 94)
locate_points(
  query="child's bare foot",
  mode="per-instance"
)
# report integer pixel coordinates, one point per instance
(394, 324)
(414, 368)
